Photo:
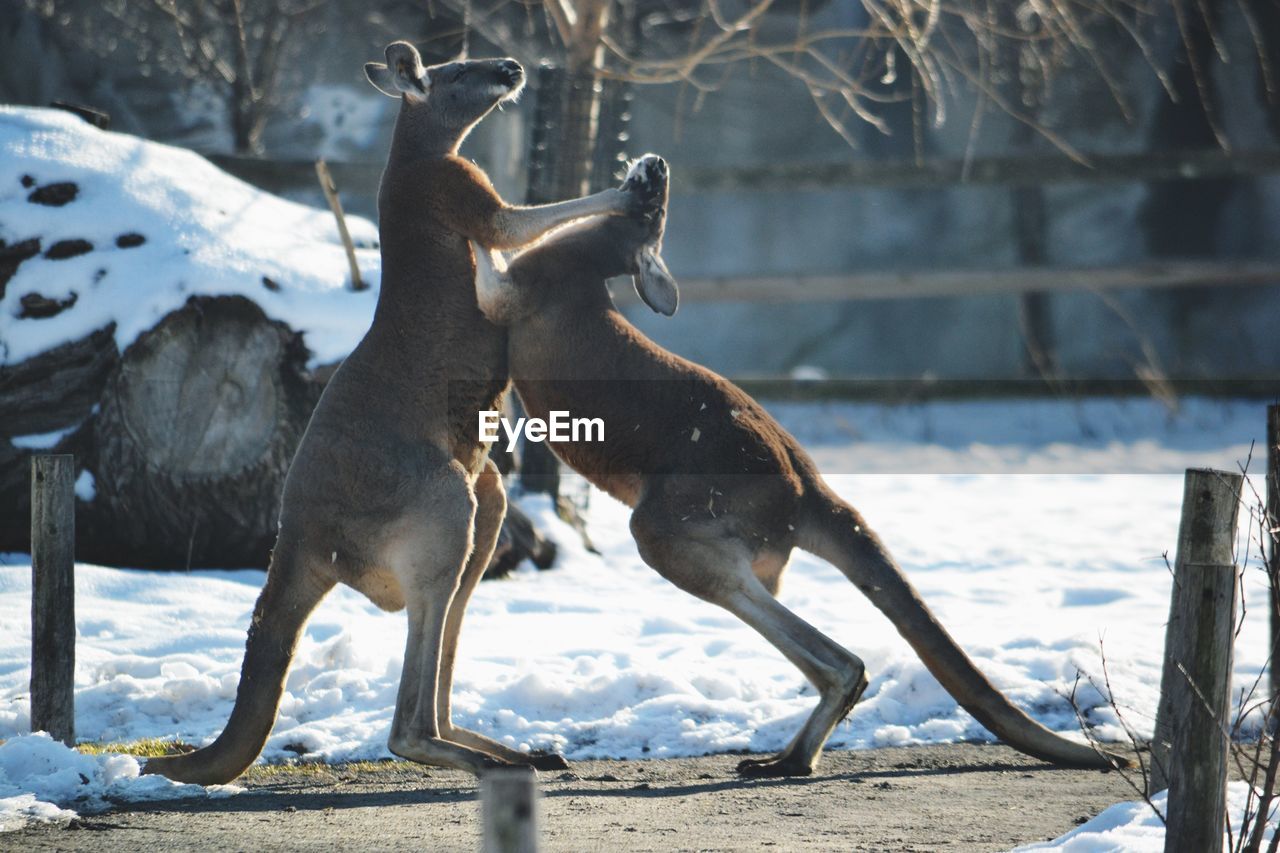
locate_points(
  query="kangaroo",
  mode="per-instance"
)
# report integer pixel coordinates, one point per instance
(720, 492)
(390, 490)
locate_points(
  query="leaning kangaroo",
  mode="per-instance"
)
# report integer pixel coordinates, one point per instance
(721, 492)
(390, 490)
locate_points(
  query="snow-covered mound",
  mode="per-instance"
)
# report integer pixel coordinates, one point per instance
(42, 780)
(129, 229)
(1134, 828)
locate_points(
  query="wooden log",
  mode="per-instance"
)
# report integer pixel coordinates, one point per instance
(53, 617)
(1189, 750)
(15, 496)
(54, 390)
(1271, 540)
(519, 540)
(193, 437)
(509, 806)
(58, 387)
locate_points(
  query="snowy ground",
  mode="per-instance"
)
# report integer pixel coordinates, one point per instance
(1007, 516)
(1134, 827)
(39, 775)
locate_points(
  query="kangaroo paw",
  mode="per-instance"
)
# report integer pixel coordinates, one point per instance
(779, 765)
(540, 760)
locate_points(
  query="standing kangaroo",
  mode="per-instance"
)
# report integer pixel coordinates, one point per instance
(721, 493)
(390, 490)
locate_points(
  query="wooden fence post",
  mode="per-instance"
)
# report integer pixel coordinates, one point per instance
(53, 590)
(1272, 520)
(509, 802)
(1189, 750)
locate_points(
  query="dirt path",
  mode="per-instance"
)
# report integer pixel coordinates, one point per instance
(963, 797)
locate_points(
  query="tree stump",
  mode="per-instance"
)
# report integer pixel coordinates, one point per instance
(193, 437)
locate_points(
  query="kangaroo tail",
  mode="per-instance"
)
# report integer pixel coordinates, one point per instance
(287, 599)
(836, 532)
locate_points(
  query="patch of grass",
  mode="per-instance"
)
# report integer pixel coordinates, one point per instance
(149, 747)
(315, 768)
(153, 747)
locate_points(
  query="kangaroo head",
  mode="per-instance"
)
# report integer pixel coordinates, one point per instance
(447, 99)
(649, 177)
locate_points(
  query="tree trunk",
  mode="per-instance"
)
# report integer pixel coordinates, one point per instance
(566, 130)
(560, 167)
(245, 130)
(579, 131)
(248, 119)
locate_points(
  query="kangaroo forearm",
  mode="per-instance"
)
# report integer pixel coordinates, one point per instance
(518, 226)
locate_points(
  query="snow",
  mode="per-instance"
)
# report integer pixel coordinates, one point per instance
(206, 233)
(39, 775)
(41, 441)
(86, 486)
(1135, 828)
(1033, 529)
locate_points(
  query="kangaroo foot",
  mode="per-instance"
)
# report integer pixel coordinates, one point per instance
(537, 759)
(780, 765)
(792, 762)
(542, 760)
(441, 753)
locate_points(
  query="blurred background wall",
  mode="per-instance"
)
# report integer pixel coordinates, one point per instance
(764, 186)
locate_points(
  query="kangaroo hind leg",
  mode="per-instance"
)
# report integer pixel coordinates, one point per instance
(491, 505)
(718, 569)
(428, 552)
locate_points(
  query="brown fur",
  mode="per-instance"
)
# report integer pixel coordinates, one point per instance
(390, 491)
(721, 492)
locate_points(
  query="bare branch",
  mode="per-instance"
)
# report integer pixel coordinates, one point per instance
(563, 16)
(1199, 74)
(1134, 740)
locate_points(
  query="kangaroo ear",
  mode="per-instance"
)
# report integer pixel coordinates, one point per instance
(402, 74)
(381, 78)
(655, 284)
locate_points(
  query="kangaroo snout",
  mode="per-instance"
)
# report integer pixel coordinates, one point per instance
(649, 172)
(647, 182)
(512, 70)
